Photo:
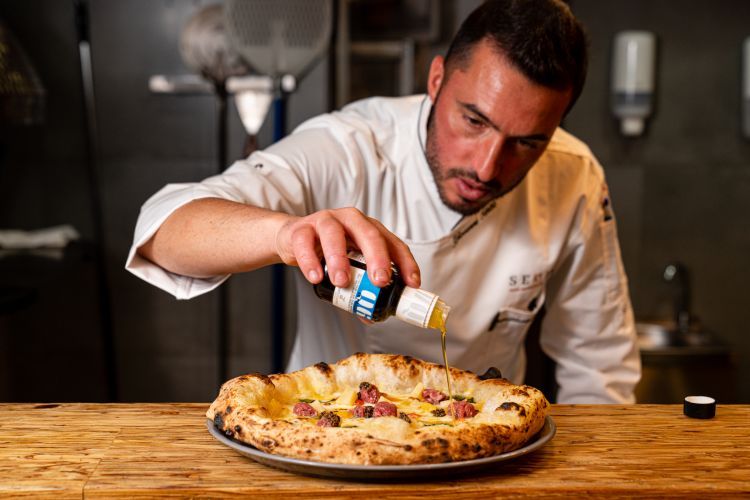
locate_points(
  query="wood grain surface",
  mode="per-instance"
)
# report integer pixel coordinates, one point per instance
(152, 450)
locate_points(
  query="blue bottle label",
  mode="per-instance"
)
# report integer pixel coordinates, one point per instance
(359, 297)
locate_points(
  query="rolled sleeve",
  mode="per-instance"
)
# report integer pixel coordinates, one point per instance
(294, 176)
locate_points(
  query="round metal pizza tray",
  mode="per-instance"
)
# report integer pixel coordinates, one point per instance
(374, 472)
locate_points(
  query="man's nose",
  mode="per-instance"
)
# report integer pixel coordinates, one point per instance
(488, 158)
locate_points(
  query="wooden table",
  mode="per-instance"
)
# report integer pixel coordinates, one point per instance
(118, 450)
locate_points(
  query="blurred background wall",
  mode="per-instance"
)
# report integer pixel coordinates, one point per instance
(681, 192)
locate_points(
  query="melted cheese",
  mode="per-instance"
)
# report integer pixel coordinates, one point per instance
(420, 412)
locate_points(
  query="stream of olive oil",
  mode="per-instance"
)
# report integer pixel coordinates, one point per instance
(437, 320)
(443, 331)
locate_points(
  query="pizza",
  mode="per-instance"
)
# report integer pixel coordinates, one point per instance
(380, 409)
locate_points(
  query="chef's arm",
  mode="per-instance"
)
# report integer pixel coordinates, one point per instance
(589, 327)
(212, 236)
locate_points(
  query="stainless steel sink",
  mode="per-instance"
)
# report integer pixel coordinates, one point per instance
(678, 363)
(679, 356)
(683, 330)
(659, 335)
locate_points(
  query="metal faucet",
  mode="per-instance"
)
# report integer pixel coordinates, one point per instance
(677, 274)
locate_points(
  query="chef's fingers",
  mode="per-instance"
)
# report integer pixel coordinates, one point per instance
(371, 241)
(305, 251)
(303, 240)
(333, 239)
(401, 256)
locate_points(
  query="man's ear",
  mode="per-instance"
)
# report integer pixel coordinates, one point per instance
(435, 77)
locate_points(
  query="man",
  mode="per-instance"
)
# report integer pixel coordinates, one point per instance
(443, 186)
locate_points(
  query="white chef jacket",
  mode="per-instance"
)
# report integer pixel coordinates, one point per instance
(551, 241)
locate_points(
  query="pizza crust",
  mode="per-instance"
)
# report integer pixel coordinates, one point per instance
(254, 409)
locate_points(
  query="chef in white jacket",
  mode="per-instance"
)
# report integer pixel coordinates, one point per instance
(472, 190)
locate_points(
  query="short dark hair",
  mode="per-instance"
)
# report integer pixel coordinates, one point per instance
(542, 38)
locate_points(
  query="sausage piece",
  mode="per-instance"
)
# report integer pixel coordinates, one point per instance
(463, 409)
(368, 392)
(362, 411)
(304, 410)
(433, 396)
(385, 409)
(329, 419)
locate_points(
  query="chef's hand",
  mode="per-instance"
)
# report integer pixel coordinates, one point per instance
(302, 240)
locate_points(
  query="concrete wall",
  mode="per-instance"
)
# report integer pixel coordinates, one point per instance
(682, 191)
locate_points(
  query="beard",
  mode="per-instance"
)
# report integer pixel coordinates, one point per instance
(442, 174)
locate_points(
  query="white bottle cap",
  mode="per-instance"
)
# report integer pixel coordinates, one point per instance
(415, 306)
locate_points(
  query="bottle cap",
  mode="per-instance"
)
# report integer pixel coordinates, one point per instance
(415, 306)
(699, 407)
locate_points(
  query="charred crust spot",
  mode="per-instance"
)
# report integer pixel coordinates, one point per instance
(510, 405)
(364, 386)
(218, 421)
(238, 429)
(428, 443)
(268, 443)
(399, 362)
(408, 447)
(324, 368)
(464, 446)
(308, 451)
(520, 392)
(263, 378)
(404, 417)
(477, 448)
(229, 433)
(491, 373)
(228, 410)
(442, 442)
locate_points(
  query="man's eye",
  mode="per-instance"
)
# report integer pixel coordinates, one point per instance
(473, 121)
(528, 144)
